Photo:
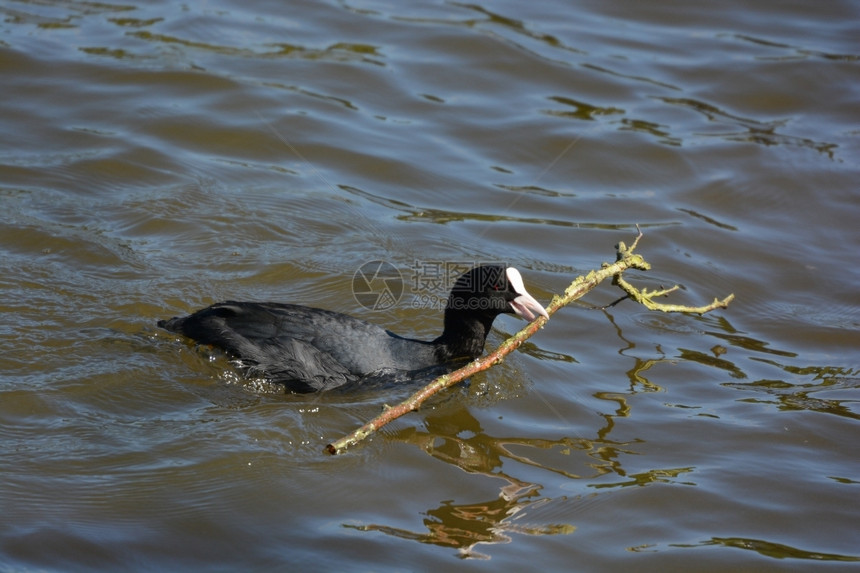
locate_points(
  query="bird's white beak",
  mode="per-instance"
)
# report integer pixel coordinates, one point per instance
(525, 304)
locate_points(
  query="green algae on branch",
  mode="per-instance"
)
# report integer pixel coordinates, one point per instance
(625, 259)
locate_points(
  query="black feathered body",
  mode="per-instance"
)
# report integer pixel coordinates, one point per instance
(309, 349)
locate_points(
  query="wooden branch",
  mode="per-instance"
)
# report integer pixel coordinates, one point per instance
(645, 298)
(625, 259)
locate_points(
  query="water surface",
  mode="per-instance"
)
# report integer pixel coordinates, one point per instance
(164, 156)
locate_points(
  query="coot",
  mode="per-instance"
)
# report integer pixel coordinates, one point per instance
(311, 349)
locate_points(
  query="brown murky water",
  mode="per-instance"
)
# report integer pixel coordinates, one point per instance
(163, 156)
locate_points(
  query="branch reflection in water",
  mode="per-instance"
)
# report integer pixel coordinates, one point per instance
(457, 438)
(463, 526)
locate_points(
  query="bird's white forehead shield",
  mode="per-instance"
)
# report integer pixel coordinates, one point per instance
(515, 279)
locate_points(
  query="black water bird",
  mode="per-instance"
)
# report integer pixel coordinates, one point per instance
(311, 349)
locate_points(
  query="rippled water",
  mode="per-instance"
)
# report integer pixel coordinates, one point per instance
(160, 157)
